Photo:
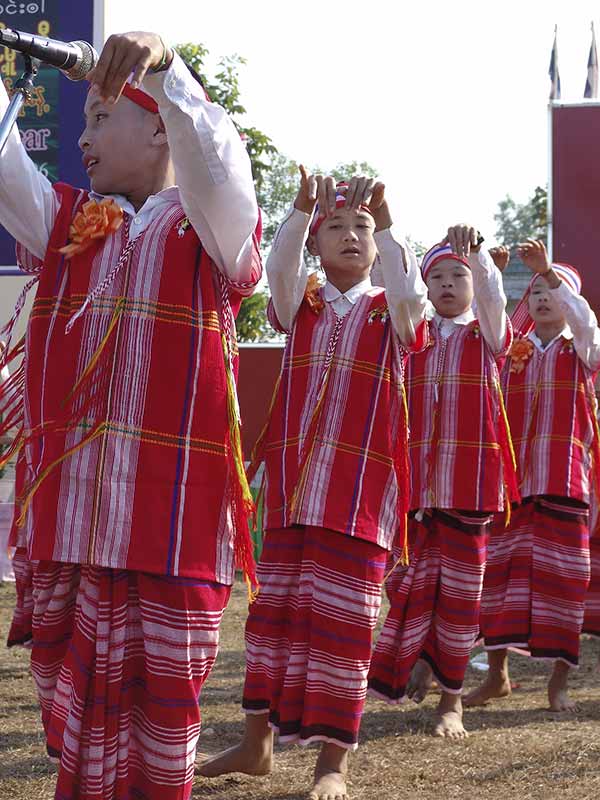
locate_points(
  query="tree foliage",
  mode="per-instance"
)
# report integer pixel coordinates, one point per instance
(519, 221)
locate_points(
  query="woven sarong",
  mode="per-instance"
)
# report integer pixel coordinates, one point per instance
(309, 634)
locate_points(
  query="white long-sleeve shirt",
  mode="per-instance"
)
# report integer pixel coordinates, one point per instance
(212, 169)
(406, 293)
(582, 326)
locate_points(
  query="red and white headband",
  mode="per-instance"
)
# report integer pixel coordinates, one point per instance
(521, 318)
(437, 253)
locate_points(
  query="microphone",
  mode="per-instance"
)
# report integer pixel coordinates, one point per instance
(75, 59)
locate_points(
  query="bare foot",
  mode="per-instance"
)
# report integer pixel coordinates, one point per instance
(420, 681)
(331, 786)
(494, 686)
(558, 695)
(252, 756)
(449, 724)
(330, 774)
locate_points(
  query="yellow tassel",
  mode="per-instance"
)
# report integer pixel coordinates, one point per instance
(234, 432)
(252, 592)
(507, 509)
(26, 501)
(94, 359)
(506, 425)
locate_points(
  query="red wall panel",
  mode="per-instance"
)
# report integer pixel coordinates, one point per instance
(259, 368)
(576, 193)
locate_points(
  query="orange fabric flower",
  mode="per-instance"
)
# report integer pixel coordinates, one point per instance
(94, 221)
(520, 352)
(311, 294)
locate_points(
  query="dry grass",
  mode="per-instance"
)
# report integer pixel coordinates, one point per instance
(517, 749)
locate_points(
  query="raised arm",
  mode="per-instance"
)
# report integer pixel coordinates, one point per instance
(487, 285)
(212, 167)
(398, 271)
(286, 270)
(28, 204)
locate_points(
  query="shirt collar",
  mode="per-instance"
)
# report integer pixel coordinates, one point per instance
(164, 196)
(354, 293)
(462, 319)
(566, 333)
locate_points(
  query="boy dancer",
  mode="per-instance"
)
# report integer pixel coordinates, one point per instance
(335, 465)
(461, 471)
(539, 568)
(132, 506)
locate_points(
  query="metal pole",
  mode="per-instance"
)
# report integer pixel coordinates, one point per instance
(23, 89)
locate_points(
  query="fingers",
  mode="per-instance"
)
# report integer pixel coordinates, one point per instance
(326, 194)
(461, 239)
(378, 196)
(360, 191)
(122, 55)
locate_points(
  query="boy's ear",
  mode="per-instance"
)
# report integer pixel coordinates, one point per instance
(311, 245)
(160, 133)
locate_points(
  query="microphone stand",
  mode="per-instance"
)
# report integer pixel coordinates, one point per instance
(23, 91)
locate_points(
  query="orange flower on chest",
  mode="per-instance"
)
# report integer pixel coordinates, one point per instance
(94, 221)
(312, 295)
(519, 353)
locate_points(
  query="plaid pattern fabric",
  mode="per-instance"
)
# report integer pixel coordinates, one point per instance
(128, 465)
(309, 634)
(335, 446)
(591, 620)
(119, 659)
(550, 407)
(456, 425)
(434, 614)
(536, 579)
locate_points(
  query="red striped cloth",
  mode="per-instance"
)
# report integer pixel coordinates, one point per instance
(309, 634)
(434, 614)
(20, 629)
(119, 659)
(536, 580)
(591, 620)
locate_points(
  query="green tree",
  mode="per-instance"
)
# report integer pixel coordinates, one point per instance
(251, 323)
(519, 221)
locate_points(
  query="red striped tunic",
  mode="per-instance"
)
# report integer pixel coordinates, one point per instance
(458, 443)
(154, 491)
(335, 448)
(550, 407)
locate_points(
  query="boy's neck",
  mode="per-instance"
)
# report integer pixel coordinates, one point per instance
(164, 179)
(547, 331)
(344, 283)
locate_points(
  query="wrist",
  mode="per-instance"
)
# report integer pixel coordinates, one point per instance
(165, 60)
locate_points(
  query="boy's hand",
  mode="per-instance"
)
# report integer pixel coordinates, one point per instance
(307, 194)
(124, 54)
(462, 239)
(534, 255)
(500, 257)
(365, 191)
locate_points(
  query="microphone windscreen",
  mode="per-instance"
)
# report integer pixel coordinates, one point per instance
(83, 65)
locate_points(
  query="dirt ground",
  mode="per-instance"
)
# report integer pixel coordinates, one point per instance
(516, 750)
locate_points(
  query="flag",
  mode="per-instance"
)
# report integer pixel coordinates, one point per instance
(591, 84)
(553, 71)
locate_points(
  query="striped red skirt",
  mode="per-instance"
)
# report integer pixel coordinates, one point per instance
(434, 613)
(119, 659)
(591, 619)
(537, 578)
(309, 633)
(20, 629)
